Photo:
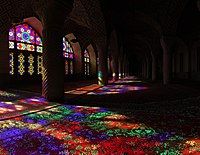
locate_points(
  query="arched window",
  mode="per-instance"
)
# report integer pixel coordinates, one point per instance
(25, 51)
(69, 57)
(86, 63)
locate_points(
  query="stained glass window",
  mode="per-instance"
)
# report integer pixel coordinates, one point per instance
(11, 45)
(21, 67)
(97, 61)
(25, 46)
(11, 63)
(31, 67)
(39, 64)
(38, 40)
(86, 63)
(12, 34)
(69, 57)
(66, 67)
(25, 33)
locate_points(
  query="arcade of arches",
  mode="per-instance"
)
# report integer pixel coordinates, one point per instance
(99, 77)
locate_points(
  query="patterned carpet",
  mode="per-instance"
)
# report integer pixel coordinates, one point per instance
(30, 125)
(85, 130)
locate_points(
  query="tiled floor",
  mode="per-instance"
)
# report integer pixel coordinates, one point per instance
(162, 127)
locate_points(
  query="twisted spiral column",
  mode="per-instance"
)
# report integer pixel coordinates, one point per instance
(53, 61)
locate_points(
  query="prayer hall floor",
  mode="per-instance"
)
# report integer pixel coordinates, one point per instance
(124, 118)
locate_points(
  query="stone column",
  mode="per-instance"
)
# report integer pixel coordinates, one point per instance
(102, 67)
(93, 61)
(174, 64)
(190, 61)
(123, 68)
(4, 59)
(147, 68)
(121, 62)
(153, 70)
(109, 66)
(144, 69)
(166, 57)
(115, 68)
(53, 61)
(127, 68)
(120, 69)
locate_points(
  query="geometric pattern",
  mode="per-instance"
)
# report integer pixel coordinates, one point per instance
(88, 130)
(21, 67)
(31, 67)
(24, 39)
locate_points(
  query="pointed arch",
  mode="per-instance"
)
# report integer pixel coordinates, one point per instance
(25, 51)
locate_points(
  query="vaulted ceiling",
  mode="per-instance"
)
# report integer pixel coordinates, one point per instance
(141, 23)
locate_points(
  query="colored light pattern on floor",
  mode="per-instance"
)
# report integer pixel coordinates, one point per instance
(85, 130)
(83, 90)
(10, 107)
(130, 78)
(95, 89)
(127, 81)
(35, 101)
(7, 94)
(23, 106)
(116, 89)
